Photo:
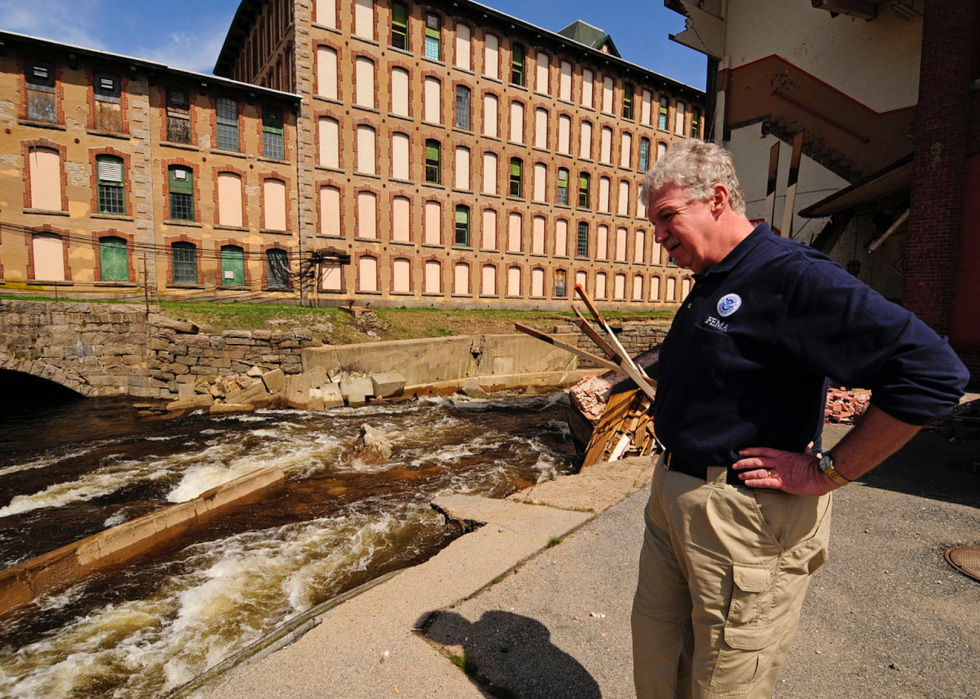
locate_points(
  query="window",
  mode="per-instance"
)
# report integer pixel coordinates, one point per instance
(277, 269)
(329, 154)
(108, 98)
(647, 107)
(582, 242)
(517, 75)
(644, 154)
(463, 226)
(582, 279)
(559, 283)
(562, 186)
(45, 188)
(367, 273)
(399, 25)
(515, 232)
(364, 73)
(602, 242)
(540, 182)
(584, 184)
(433, 37)
(462, 46)
(621, 244)
(489, 285)
(542, 70)
(561, 237)
(329, 211)
(326, 13)
(541, 129)
(639, 246)
(489, 173)
(626, 150)
(326, 72)
(588, 88)
(433, 277)
(538, 243)
(600, 285)
(178, 116)
(433, 223)
(619, 287)
(661, 150)
(401, 278)
(461, 279)
(401, 219)
(274, 204)
(365, 150)
(113, 260)
(585, 146)
(628, 100)
(463, 107)
(489, 241)
(604, 194)
(399, 91)
(605, 145)
(517, 178)
(331, 277)
(514, 281)
(565, 82)
(607, 95)
(229, 199)
(49, 258)
(184, 257)
(181, 181)
(490, 115)
(273, 144)
(364, 19)
(623, 201)
(695, 122)
(564, 134)
(491, 52)
(679, 120)
(433, 161)
(39, 79)
(462, 168)
(638, 287)
(367, 215)
(432, 104)
(232, 266)
(537, 282)
(399, 156)
(516, 122)
(226, 118)
(664, 103)
(112, 194)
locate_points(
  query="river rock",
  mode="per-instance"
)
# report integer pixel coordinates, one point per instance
(356, 390)
(318, 376)
(297, 391)
(332, 397)
(388, 384)
(274, 380)
(201, 401)
(473, 389)
(372, 447)
(223, 408)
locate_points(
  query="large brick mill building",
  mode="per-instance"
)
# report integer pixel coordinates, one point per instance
(443, 154)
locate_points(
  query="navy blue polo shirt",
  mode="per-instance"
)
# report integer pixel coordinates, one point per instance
(746, 358)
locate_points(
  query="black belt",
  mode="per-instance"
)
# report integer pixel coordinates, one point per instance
(672, 462)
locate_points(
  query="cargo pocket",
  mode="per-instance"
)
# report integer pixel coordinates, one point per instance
(748, 638)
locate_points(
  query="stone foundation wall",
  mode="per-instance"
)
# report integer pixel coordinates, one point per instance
(635, 338)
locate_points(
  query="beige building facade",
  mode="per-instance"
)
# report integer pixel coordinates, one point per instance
(462, 157)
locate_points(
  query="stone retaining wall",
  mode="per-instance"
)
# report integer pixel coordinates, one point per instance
(635, 338)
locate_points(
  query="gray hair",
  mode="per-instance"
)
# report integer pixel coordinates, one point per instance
(698, 167)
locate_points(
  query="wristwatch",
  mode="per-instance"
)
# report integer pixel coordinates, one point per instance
(827, 466)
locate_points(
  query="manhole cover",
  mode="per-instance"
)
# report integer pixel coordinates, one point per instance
(965, 559)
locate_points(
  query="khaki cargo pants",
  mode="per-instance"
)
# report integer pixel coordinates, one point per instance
(723, 573)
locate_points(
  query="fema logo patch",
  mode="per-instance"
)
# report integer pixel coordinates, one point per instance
(729, 304)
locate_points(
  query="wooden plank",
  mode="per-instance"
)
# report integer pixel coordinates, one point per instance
(617, 407)
(537, 334)
(591, 333)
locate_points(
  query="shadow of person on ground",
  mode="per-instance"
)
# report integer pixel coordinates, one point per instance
(509, 656)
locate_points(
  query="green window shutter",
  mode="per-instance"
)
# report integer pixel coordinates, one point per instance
(113, 260)
(516, 178)
(232, 266)
(584, 182)
(433, 164)
(181, 180)
(463, 226)
(628, 101)
(517, 65)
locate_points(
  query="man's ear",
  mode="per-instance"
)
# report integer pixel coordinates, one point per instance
(719, 199)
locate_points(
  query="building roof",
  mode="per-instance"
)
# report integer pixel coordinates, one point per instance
(248, 10)
(142, 63)
(593, 37)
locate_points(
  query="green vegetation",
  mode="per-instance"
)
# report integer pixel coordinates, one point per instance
(460, 662)
(553, 541)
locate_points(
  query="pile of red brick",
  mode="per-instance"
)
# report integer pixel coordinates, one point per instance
(845, 406)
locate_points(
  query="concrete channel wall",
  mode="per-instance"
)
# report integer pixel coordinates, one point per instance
(62, 568)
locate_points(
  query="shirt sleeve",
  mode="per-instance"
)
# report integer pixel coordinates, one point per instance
(836, 325)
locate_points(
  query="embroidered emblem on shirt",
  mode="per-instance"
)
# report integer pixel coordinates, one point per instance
(729, 304)
(713, 322)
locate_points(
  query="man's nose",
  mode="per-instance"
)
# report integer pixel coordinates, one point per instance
(660, 233)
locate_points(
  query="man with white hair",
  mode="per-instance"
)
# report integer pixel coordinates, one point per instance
(739, 511)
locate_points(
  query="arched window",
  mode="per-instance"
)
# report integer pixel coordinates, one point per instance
(433, 161)
(111, 184)
(184, 258)
(277, 269)
(113, 260)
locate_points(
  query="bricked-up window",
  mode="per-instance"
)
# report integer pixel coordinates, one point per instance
(628, 101)
(491, 54)
(433, 161)
(664, 104)
(226, 118)
(113, 260)
(184, 258)
(433, 36)
(679, 120)
(49, 260)
(559, 283)
(273, 144)
(582, 242)
(111, 185)
(517, 65)
(584, 185)
(517, 178)
(178, 116)
(277, 269)
(181, 181)
(695, 122)
(232, 266)
(39, 79)
(644, 154)
(462, 107)
(463, 225)
(562, 186)
(588, 88)
(45, 187)
(462, 53)
(399, 25)
(108, 102)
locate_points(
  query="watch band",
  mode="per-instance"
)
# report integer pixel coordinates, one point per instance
(827, 466)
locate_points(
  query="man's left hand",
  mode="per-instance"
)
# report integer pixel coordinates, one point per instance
(790, 472)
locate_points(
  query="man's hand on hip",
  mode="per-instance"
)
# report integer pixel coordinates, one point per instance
(790, 472)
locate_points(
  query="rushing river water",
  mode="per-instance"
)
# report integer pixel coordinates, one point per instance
(72, 471)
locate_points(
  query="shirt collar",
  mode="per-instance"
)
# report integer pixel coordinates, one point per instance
(739, 252)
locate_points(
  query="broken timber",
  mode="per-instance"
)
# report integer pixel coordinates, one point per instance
(625, 429)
